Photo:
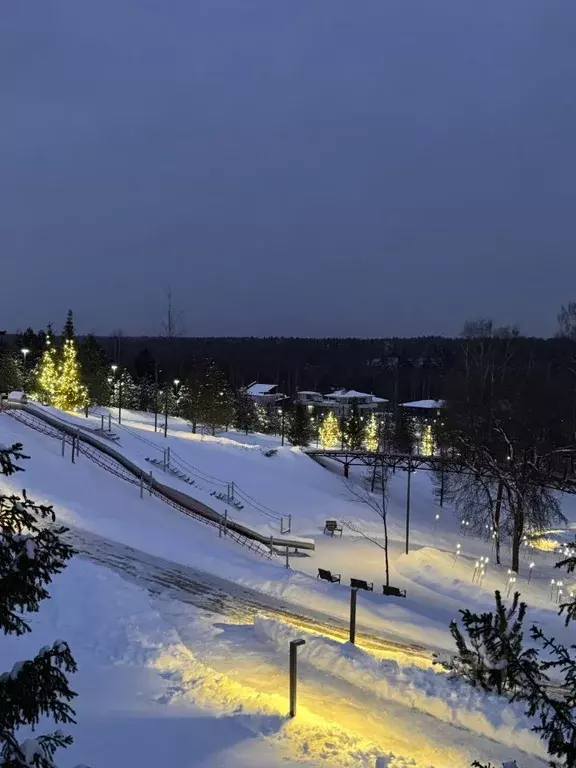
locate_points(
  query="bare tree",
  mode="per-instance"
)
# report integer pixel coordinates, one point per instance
(567, 321)
(172, 323)
(378, 503)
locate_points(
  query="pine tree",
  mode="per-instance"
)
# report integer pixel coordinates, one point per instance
(95, 370)
(70, 393)
(130, 390)
(69, 332)
(299, 431)
(329, 433)
(355, 430)
(492, 656)
(404, 433)
(246, 417)
(47, 377)
(10, 373)
(372, 433)
(31, 553)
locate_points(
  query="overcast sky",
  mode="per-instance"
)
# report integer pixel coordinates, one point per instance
(304, 167)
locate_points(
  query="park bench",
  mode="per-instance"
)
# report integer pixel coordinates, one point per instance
(331, 526)
(361, 584)
(393, 591)
(328, 576)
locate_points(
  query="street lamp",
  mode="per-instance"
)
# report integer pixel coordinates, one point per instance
(24, 351)
(114, 369)
(176, 382)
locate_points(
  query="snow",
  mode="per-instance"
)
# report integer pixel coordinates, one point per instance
(174, 662)
(424, 404)
(344, 394)
(260, 389)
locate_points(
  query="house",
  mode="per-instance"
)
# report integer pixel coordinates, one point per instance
(343, 400)
(264, 394)
(429, 405)
(339, 402)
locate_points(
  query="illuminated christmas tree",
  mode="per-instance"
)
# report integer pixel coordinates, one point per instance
(371, 434)
(329, 433)
(47, 378)
(70, 393)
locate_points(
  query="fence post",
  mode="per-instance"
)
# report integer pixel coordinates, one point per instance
(353, 596)
(220, 527)
(225, 521)
(271, 545)
(141, 484)
(77, 443)
(150, 484)
(63, 443)
(102, 422)
(289, 523)
(287, 558)
(164, 459)
(73, 449)
(168, 456)
(294, 674)
(232, 487)
(109, 422)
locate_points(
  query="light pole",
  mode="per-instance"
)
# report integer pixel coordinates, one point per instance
(176, 382)
(156, 397)
(114, 369)
(25, 352)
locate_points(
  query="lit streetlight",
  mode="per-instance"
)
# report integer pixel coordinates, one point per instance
(25, 352)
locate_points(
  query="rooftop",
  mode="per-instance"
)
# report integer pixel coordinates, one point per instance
(425, 404)
(260, 389)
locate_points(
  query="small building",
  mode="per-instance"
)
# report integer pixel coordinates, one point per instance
(425, 405)
(264, 394)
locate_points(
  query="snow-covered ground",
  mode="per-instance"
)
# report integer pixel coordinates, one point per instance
(170, 667)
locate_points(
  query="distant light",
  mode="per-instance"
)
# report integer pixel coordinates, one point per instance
(25, 351)
(114, 368)
(177, 381)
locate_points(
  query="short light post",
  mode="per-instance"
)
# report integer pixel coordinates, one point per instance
(25, 353)
(353, 597)
(155, 397)
(294, 645)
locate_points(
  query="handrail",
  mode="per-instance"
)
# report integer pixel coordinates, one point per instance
(174, 497)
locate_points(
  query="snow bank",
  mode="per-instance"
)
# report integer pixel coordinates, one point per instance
(427, 690)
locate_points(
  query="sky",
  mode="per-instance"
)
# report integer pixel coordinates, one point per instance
(298, 168)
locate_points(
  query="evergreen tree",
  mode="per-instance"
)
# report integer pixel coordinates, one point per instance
(299, 431)
(31, 553)
(329, 433)
(70, 393)
(492, 656)
(47, 375)
(404, 433)
(262, 415)
(246, 417)
(372, 433)
(216, 399)
(190, 402)
(95, 371)
(69, 332)
(130, 391)
(355, 430)
(10, 373)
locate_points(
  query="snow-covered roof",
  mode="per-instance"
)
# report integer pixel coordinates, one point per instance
(309, 392)
(425, 404)
(341, 394)
(260, 389)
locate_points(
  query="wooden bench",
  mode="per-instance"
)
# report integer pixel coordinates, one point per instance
(393, 591)
(328, 576)
(361, 584)
(331, 526)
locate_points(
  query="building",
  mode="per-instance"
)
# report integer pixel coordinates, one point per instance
(340, 402)
(264, 394)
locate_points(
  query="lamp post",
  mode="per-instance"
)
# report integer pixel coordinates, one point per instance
(25, 352)
(156, 397)
(114, 369)
(176, 382)
(281, 414)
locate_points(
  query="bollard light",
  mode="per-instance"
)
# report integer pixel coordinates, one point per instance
(294, 645)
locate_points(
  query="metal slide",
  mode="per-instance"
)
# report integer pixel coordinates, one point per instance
(113, 461)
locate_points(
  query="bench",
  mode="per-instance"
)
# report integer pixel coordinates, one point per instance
(328, 576)
(361, 584)
(331, 526)
(393, 591)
